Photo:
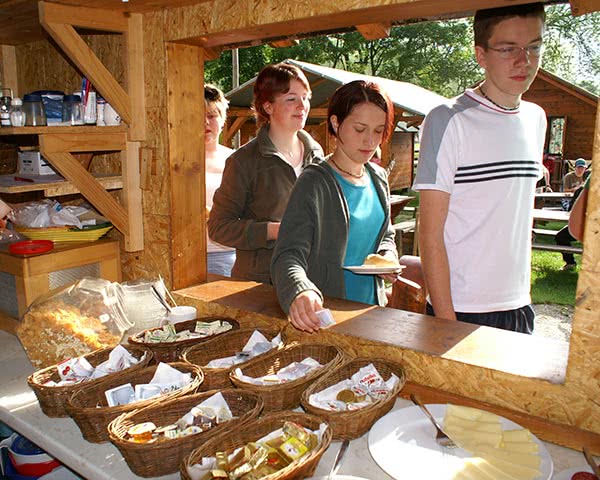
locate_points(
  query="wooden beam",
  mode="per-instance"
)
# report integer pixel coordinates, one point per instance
(93, 18)
(86, 142)
(374, 31)
(240, 112)
(89, 64)
(581, 7)
(9, 68)
(185, 105)
(288, 42)
(71, 169)
(231, 131)
(131, 197)
(212, 53)
(319, 112)
(566, 435)
(134, 72)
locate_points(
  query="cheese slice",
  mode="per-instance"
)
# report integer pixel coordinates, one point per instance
(469, 413)
(520, 435)
(485, 469)
(492, 427)
(524, 447)
(521, 472)
(526, 459)
(472, 440)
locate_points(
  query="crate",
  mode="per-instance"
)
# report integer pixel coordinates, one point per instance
(23, 279)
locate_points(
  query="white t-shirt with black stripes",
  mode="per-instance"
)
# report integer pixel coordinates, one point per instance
(489, 161)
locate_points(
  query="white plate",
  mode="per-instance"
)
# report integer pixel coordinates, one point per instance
(403, 444)
(338, 477)
(567, 474)
(373, 269)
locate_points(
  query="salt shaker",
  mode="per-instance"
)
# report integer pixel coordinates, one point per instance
(17, 115)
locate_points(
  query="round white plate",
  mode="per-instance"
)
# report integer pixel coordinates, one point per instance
(567, 474)
(373, 269)
(338, 477)
(403, 444)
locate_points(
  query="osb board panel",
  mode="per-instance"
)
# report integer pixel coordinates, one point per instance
(42, 66)
(154, 259)
(155, 164)
(154, 62)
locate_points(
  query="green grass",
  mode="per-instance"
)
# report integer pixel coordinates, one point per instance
(549, 284)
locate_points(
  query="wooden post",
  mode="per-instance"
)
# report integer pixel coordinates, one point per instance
(185, 87)
(9, 68)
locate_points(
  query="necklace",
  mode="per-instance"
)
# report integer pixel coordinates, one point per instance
(508, 109)
(362, 172)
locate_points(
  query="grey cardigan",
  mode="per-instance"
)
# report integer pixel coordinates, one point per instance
(309, 253)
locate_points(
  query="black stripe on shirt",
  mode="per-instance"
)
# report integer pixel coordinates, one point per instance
(497, 177)
(497, 170)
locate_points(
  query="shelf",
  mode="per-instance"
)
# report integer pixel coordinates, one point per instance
(7, 131)
(53, 185)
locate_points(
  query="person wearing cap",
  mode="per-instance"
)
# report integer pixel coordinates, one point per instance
(573, 180)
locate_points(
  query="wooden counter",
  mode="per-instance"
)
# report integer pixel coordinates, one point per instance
(518, 376)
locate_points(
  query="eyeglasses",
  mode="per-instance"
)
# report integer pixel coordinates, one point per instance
(508, 53)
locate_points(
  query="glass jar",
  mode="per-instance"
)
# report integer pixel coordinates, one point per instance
(17, 116)
(142, 307)
(5, 103)
(33, 107)
(72, 111)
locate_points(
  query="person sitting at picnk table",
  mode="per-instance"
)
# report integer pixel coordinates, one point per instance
(259, 176)
(339, 213)
(220, 259)
(573, 180)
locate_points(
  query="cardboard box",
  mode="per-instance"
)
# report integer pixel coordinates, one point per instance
(32, 163)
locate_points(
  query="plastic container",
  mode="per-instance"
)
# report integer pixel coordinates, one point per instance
(52, 100)
(17, 116)
(72, 111)
(142, 307)
(35, 115)
(181, 313)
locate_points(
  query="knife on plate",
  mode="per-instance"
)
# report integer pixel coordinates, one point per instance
(591, 462)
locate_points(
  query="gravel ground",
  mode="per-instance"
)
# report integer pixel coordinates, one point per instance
(553, 321)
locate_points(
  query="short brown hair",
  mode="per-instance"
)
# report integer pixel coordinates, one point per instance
(348, 96)
(487, 19)
(272, 81)
(214, 95)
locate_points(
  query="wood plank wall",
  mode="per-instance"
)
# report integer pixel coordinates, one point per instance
(580, 115)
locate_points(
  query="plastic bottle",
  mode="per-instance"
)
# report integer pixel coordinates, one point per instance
(33, 107)
(100, 104)
(17, 115)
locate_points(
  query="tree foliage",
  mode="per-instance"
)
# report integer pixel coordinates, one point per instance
(435, 55)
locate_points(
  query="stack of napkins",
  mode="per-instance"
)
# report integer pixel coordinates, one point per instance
(497, 454)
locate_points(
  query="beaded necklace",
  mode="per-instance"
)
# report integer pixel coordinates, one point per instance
(362, 172)
(508, 109)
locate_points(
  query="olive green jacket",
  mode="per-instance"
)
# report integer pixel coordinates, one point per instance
(255, 189)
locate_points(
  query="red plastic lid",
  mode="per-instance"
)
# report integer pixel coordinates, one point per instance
(31, 247)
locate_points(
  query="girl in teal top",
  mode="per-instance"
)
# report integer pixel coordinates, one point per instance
(338, 212)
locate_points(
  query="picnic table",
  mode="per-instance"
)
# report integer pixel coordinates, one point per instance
(398, 202)
(550, 215)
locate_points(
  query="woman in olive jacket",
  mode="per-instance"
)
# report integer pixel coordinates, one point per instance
(338, 213)
(258, 178)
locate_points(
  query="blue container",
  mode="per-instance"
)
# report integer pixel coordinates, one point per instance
(53, 103)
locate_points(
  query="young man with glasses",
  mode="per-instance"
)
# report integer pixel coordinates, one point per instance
(480, 158)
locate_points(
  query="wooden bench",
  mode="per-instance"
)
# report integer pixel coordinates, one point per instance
(557, 248)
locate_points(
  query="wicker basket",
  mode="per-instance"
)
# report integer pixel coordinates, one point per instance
(172, 351)
(90, 410)
(53, 399)
(155, 459)
(286, 396)
(226, 345)
(255, 430)
(353, 424)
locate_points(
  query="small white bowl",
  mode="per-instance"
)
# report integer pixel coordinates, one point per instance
(182, 313)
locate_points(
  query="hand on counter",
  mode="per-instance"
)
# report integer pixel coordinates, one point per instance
(303, 311)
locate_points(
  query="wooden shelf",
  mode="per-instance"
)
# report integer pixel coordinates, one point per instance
(7, 131)
(53, 186)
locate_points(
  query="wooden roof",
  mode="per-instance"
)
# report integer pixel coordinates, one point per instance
(406, 97)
